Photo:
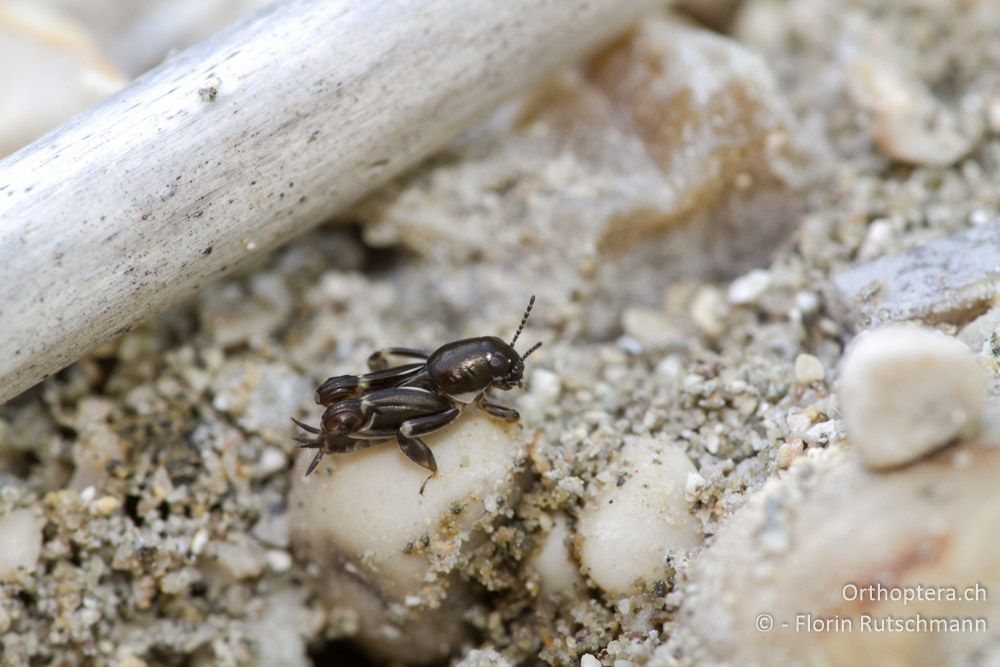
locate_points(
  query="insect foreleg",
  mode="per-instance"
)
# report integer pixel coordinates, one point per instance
(498, 411)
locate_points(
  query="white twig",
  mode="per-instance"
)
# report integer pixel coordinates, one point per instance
(244, 140)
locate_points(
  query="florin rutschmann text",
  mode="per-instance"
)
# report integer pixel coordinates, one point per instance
(889, 623)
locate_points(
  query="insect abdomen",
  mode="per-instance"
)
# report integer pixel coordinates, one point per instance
(351, 386)
(337, 388)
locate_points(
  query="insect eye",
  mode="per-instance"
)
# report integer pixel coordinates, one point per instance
(499, 362)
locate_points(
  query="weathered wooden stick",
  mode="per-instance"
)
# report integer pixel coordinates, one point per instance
(244, 140)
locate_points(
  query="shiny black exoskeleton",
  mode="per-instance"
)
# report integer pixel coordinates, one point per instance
(415, 399)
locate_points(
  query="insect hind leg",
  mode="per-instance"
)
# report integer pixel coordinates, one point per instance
(377, 360)
(408, 438)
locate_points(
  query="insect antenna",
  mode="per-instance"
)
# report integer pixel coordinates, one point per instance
(530, 350)
(524, 320)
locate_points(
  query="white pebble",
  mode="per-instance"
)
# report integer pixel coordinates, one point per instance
(822, 433)
(89, 616)
(491, 504)
(749, 288)
(798, 422)
(708, 310)
(388, 516)
(546, 386)
(544, 390)
(788, 452)
(240, 561)
(106, 505)
(553, 562)
(21, 537)
(199, 541)
(571, 485)
(282, 622)
(807, 302)
(670, 367)
(626, 530)
(695, 482)
(271, 529)
(878, 241)
(271, 461)
(630, 345)
(808, 369)
(650, 328)
(589, 661)
(901, 104)
(278, 560)
(906, 391)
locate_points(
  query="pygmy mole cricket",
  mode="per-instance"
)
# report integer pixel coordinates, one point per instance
(415, 399)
